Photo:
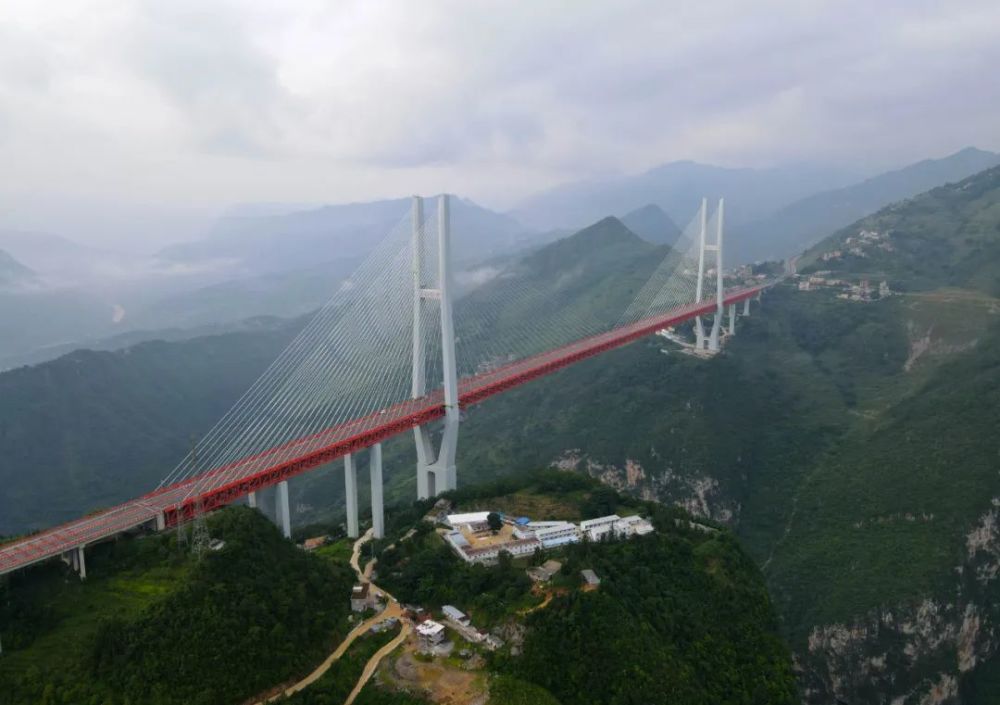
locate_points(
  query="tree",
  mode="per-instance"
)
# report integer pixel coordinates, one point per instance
(494, 521)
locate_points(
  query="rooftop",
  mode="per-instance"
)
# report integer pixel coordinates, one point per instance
(429, 628)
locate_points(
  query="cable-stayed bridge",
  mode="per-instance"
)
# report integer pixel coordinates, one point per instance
(403, 343)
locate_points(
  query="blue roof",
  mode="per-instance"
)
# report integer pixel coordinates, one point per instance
(521, 521)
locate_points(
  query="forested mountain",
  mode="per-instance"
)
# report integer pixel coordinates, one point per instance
(948, 237)
(851, 444)
(652, 224)
(803, 223)
(153, 624)
(92, 429)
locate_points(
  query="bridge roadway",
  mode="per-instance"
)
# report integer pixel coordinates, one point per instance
(179, 502)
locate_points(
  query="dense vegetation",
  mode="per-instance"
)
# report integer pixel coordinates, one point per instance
(423, 570)
(213, 631)
(508, 690)
(677, 619)
(96, 428)
(684, 606)
(949, 236)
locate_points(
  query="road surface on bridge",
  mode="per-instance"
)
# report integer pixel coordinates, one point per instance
(226, 484)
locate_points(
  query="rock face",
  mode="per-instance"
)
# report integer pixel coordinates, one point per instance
(906, 654)
(914, 654)
(700, 495)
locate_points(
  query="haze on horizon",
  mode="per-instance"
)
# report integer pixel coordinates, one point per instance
(133, 123)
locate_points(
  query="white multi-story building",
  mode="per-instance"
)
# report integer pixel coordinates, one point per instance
(595, 529)
(490, 553)
(430, 632)
(634, 525)
(557, 534)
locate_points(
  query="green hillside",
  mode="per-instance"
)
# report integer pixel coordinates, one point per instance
(154, 625)
(95, 428)
(803, 223)
(947, 237)
(684, 606)
(850, 445)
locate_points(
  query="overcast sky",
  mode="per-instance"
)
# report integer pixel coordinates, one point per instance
(114, 112)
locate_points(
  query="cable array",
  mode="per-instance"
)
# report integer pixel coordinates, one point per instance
(354, 359)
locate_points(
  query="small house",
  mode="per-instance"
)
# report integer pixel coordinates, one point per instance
(430, 632)
(361, 597)
(456, 615)
(590, 577)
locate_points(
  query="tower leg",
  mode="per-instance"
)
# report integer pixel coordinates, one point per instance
(699, 325)
(436, 473)
(283, 510)
(375, 471)
(713, 341)
(351, 490)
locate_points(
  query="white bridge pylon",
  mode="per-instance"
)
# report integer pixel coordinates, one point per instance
(711, 342)
(432, 286)
(435, 472)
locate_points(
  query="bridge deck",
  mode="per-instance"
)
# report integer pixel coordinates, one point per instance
(226, 484)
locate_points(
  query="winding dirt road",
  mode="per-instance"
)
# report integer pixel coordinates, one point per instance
(391, 610)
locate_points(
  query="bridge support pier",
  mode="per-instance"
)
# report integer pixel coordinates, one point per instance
(746, 307)
(375, 471)
(252, 500)
(76, 560)
(283, 510)
(351, 495)
(435, 473)
(732, 319)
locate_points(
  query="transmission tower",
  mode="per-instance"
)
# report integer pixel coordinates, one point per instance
(199, 531)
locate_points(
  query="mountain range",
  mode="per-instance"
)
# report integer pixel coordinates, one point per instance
(801, 224)
(849, 444)
(677, 187)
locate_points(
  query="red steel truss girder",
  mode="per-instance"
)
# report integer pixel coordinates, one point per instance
(176, 504)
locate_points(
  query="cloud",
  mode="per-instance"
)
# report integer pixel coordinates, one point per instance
(210, 103)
